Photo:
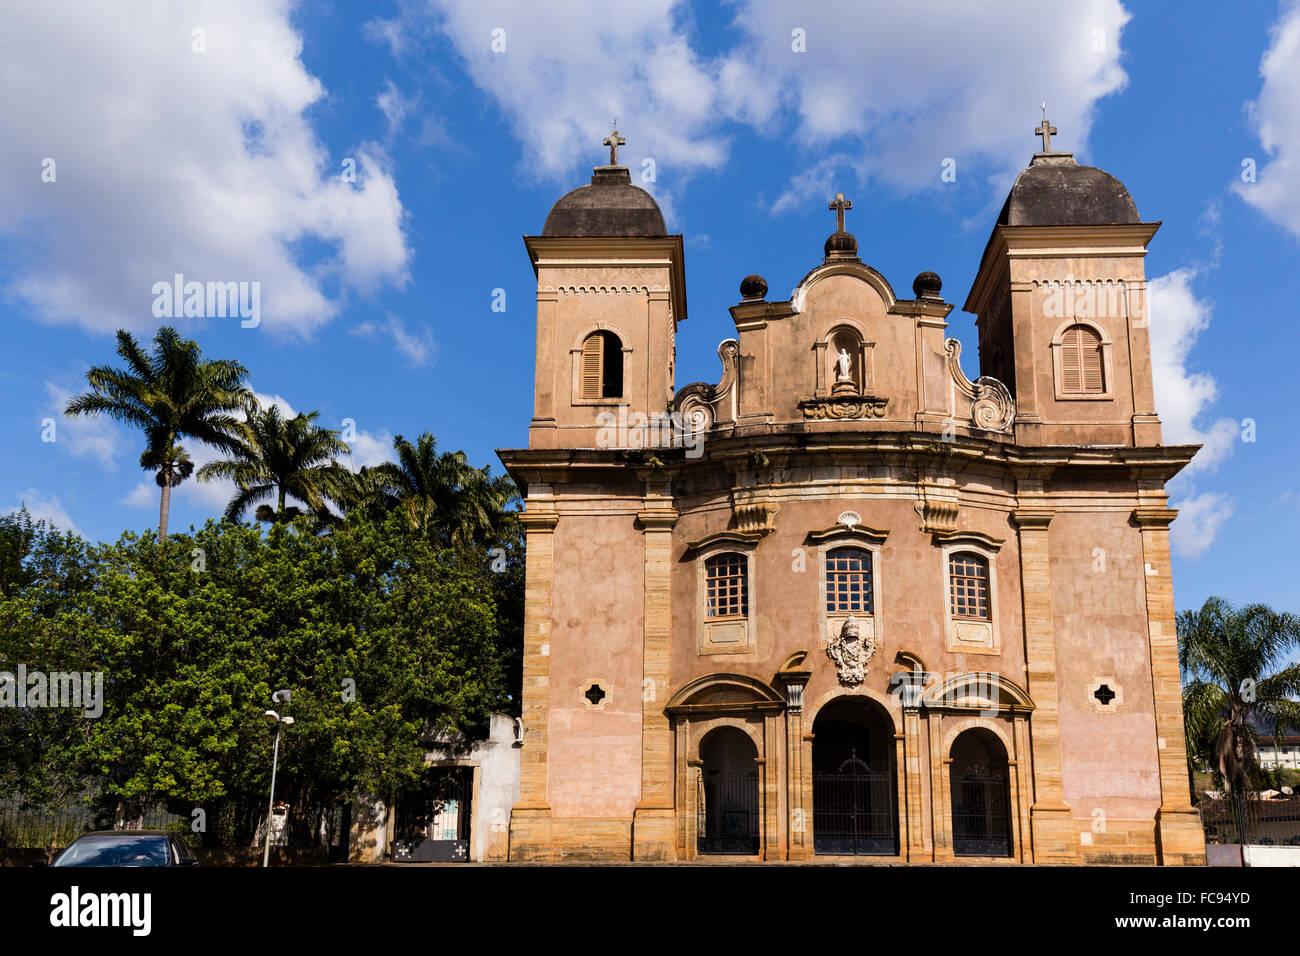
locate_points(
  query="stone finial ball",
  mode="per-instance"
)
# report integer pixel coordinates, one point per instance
(753, 287)
(927, 285)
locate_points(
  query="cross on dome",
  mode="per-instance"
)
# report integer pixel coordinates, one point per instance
(1046, 130)
(840, 204)
(614, 141)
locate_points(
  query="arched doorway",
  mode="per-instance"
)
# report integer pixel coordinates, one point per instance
(855, 795)
(727, 807)
(981, 795)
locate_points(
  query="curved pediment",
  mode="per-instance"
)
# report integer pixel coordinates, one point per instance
(852, 267)
(724, 693)
(977, 690)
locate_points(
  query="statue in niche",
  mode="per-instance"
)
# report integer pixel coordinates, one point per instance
(845, 363)
(850, 652)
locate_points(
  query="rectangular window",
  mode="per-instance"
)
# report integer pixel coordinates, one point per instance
(727, 585)
(968, 582)
(848, 581)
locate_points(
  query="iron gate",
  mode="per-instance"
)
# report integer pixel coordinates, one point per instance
(433, 822)
(727, 813)
(981, 813)
(853, 810)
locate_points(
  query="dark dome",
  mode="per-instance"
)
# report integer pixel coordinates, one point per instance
(609, 206)
(1060, 192)
(753, 287)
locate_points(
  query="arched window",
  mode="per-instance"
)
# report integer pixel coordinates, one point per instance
(726, 579)
(968, 585)
(601, 371)
(848, 582)
(1082, 368)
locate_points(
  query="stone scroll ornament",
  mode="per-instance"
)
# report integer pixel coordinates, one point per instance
(992, 408)
(850, 651)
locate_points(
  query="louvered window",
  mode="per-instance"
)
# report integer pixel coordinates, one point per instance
(601, 372)
(1081, 364)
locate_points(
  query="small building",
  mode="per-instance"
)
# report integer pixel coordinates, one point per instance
(1279, 753)
(461, 810)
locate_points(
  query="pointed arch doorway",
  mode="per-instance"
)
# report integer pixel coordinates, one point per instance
(855, 791)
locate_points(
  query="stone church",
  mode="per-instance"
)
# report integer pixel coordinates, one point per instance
(848, 602)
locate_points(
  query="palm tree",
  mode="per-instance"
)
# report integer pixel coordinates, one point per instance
(367, 491)
(280, 458)
(443, 496)
(1238, 673)
(171, 394)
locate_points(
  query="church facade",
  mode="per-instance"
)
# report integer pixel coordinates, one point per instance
(848, 602)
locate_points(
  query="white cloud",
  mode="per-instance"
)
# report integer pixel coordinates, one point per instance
(1276, 118)
(418, 347)
(171, 160)
(370, 449)
(866, 79)
(1199, 520)
(95, 436)
(866, 83)
(394, 106)
(1184, 396)
(1183, 399)
(46, 508)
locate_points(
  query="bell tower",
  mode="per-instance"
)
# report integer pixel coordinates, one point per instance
(611, 288)
(1061, 306)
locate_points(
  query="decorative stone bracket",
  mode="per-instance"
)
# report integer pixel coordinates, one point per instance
(844, 407)
(986, 402)
(702, 405)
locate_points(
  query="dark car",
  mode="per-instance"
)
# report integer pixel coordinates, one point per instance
(127, 848)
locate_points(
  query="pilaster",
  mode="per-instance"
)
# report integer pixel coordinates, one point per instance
(1180, 839)
(530, 820)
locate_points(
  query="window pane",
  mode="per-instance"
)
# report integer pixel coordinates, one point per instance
(727, 585)
(968, 584)
(848, 581)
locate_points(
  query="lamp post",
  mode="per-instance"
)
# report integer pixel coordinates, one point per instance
(280, 723)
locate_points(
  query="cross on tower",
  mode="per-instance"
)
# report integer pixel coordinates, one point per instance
(1046, 130)
(840, 204)
(614, 141)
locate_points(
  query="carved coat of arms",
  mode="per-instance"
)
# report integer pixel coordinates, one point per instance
(850, 651)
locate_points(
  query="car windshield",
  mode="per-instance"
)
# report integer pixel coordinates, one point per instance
(116, 850)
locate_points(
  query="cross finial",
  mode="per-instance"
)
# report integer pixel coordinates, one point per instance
(614, 141)
(1046, 130)
(839, 204)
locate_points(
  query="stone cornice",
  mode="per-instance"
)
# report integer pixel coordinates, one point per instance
(1154, 517)
(746, 538)
(859, 532)
(538, 521)
(657, 520)
(969, 537)
(735, 450)
(588, 251)
(1033, 519)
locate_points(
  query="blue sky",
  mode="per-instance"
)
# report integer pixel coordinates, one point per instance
(219, 153)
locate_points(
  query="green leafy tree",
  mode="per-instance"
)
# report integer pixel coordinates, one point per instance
(279, 459)
(383, 637)
(170, 394)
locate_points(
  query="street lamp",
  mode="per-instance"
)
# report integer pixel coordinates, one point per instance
(280, 723)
